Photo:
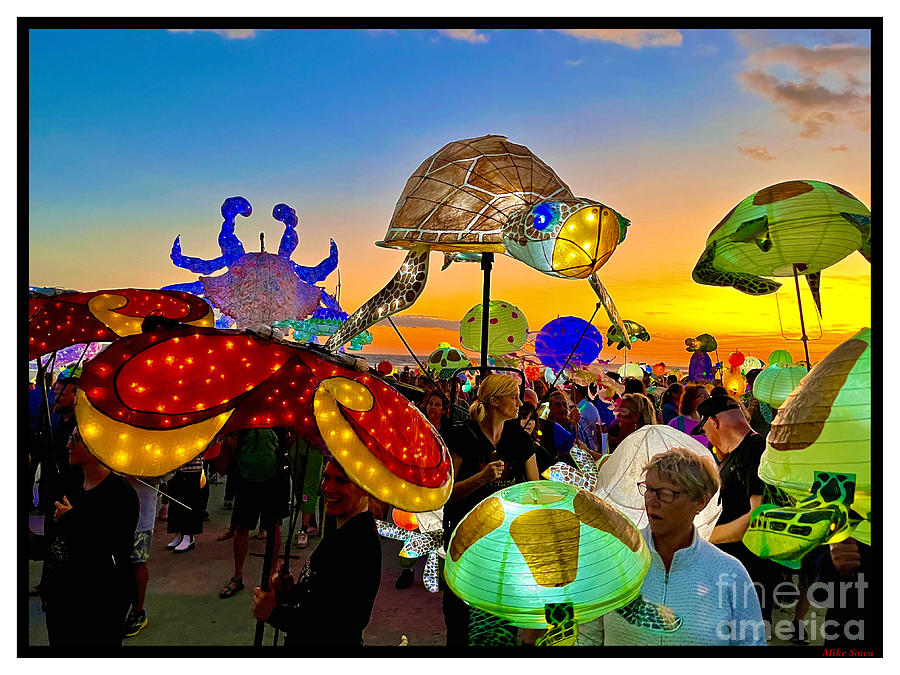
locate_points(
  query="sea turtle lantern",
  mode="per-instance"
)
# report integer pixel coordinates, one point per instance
(799, 225)
(543, 543)
(489, 195)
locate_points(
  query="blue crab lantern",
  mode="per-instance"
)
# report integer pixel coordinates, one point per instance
(258, 287)
(558, 338)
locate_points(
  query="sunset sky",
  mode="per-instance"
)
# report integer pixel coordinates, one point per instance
(136, 136)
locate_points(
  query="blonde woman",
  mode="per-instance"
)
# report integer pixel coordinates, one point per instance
(490, 451)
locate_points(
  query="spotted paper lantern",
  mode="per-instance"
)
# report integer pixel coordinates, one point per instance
(507, 328)
(631, 370)
(446, 359)
(620, 472)
(774, 384)
(780, 356)
(545, 542)
(533, 372)
(559, 338)
(405, 520)
(825, 425)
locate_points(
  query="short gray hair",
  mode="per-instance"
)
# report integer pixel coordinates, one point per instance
(696, 475)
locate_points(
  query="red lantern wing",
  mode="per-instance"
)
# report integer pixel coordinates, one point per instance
(103, 316)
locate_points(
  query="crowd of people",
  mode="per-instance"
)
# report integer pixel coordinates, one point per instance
(98, 526)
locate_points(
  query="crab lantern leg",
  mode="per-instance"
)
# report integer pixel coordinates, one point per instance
(399, 293)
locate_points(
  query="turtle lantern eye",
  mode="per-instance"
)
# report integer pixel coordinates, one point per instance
(545, 216)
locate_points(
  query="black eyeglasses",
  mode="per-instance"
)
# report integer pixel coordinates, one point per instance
(664, 495)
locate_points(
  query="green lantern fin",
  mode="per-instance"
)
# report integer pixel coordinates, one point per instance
(815, 281)
(756, 231)
(864, 225)
(706, 273)
(649, 615)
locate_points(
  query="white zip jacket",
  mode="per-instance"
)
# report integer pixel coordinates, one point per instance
(709, 589)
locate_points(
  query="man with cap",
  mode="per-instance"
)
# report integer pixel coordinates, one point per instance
(723, 422)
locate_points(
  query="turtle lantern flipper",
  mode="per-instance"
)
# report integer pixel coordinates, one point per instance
(786, 534)
(399, 293)
(608, 304)
(649, 615)
(707, 274)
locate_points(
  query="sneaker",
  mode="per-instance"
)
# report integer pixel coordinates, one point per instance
(228, 505)
(405, 579)
(135, 623)
(186, 544)
(302, 539)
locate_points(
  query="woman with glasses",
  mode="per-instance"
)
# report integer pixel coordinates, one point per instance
(709, 589)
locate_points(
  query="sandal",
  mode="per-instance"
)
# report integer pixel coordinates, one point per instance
(232, 588)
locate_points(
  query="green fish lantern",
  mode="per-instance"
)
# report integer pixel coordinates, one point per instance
(818, 452)
(542, 543)
(806, 225)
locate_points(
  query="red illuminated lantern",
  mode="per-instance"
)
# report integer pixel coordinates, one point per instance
(153, 401)
(533, 372)
(735, 359)
(659, 369)
(385, 367)
(405, 520)
(103, 316)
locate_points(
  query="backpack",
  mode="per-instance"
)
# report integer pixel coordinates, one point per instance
(257, 455)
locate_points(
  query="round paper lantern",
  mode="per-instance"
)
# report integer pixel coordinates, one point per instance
(558, 338)
(780, 356)
(507, 329)
(774, 384)
(533, 372)
(752, 363)
(735, 359)
(386, 367)
(659, 369)
(734, 382)
(631, 370)
(825, 425)
(445, 359)
(700, 367)
(620, 473)
(545, 542)
(405, 520)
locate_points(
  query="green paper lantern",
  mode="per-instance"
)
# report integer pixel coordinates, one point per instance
(774, 384)
(819, 453)
(631, 370)
(445, 359)
(782, 356)
(545, 542)
(507, 328)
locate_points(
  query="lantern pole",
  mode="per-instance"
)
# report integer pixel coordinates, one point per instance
(803, 336)
(487, 261)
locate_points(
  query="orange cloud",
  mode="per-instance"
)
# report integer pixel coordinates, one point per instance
(756, 152)
(635, 38)
(465, 34)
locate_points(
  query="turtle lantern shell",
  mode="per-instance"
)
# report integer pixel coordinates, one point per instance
(445, 359)
(507, 328)
(460, 198)
(541, 542)
(826, 425)
(803, 225)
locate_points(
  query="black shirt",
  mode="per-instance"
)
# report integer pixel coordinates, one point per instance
(739, 475)
(467, 440)
(331, 602)
(88, 559)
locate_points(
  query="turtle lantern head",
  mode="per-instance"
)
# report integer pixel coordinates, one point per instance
(570, 238)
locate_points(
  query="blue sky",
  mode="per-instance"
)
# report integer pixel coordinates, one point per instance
(138, 135)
